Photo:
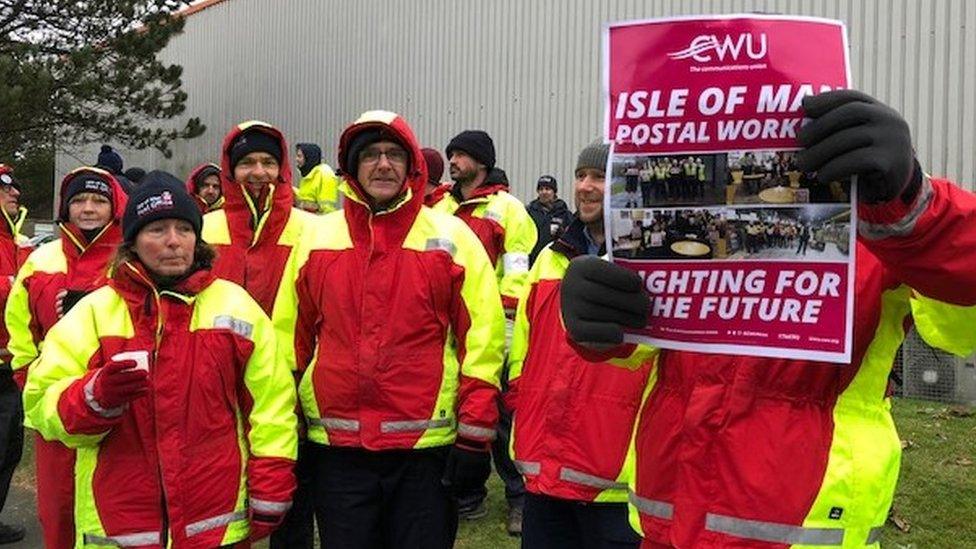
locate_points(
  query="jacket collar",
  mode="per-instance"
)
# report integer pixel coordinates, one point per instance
(572, 241)
(10, 227)
(133, 278)
(494, 182)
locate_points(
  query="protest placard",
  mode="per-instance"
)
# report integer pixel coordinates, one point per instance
(740, 250)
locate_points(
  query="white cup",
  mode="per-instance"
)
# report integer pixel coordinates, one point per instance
(141, 359)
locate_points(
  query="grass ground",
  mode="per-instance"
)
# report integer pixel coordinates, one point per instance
(935, 501)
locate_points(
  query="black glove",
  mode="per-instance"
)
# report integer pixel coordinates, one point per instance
(853, 134)
(467, 468)
(599, 299)
(71, 298)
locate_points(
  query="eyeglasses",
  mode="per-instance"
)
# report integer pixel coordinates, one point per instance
(395, 156)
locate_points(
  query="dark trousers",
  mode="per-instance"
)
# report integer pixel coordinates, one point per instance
(647, 190)
(11, 430)
(514, 484)
(802, 248)
(564, 524)
(390, 499)
(297, 531)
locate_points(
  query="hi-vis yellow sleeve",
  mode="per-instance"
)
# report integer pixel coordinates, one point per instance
(61, 371)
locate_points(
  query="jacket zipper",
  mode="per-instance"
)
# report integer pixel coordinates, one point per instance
(259, 220)
(157, 340)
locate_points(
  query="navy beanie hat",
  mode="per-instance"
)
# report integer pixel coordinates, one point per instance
(160, 195)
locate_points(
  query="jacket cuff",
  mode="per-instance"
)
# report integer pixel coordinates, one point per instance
(590, 354)
(473, 445)
(480, 435)
(267, 510)
(896, 217)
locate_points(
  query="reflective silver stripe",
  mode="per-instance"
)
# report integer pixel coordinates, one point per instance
(335, 423)
(206, 525)
(579, 477)
(441, 244)
(89, 390)
(652, 507)
(272, 507)
(466, 430)
(874, 536)
(413, 425)
(905, 225)
(515, 262)
(240, 327)
(773, 532)
(125, 540)
(528, 467)
(493, 216)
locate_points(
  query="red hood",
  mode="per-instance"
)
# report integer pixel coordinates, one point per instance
(398, 127)
(233, 192)
(119, 198)
(190, 187)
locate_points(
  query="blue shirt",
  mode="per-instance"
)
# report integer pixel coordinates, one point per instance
(592, 248)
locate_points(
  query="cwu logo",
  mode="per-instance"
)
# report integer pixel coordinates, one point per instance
(707, 47)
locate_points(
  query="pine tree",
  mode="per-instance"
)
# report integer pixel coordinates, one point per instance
(79, 71)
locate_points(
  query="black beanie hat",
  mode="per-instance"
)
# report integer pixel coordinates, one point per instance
(160, 195)
(477, 144)
(547, 181)
(85, 183)
(364, 139)
(253, 140)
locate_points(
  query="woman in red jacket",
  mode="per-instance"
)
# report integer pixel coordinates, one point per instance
(166, 381)
(53, 278)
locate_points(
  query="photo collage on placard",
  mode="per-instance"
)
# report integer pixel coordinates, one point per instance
(737, 205)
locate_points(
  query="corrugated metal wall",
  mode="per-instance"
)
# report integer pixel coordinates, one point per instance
(528, 72)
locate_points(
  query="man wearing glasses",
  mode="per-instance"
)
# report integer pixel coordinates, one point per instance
(399, 345)
(13, 252)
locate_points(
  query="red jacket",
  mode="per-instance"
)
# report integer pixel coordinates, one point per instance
(760, 452)
(400, 329)
(13, 253)
(215, 436)
(69, 263)
(503, 226)
(573, 420)
(253, 245)
(437, 194)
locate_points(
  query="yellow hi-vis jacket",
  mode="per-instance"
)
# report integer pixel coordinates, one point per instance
(318, 192)
(214, 439)
(505, 229)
